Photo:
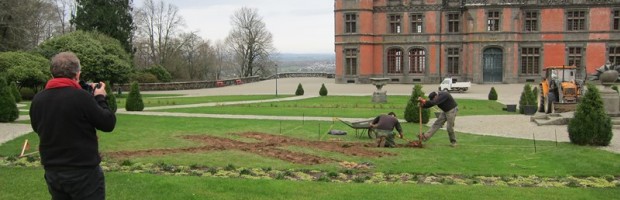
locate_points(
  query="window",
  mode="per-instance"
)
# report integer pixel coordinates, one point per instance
(417, 22)
(394, 21)
(576, 20)
(395, 61)
(453, 61)
(575, 56)
(531, 21)
(350, 65)
(417, 60)
(616, 25)
(530, 60)
(614, 55)
(350, 23)
(493, 21)
(453, 22)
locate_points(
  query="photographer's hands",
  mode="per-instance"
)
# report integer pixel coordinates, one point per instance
(99, 89)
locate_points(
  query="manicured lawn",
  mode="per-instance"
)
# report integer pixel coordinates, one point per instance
(341, 106)
(475, 156)
(151, 100)
(28, 183)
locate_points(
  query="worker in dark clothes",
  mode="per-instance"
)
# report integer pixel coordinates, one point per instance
(384, 126)
(446, 103)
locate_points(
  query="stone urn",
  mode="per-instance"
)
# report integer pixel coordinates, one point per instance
(610, 97)
(379, 96)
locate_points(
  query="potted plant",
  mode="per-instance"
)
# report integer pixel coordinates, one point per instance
(527, 102)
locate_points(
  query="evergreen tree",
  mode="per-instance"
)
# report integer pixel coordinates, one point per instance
(323, 91)
(110, 17)
(590, 125)
(526, 98)
(110, 98)
(412, 110)
(493, 94)
(300, 90)
(15, 92)
(535, 97)
(8, 107)
(134, 99)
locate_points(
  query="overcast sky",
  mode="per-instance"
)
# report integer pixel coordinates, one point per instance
(298, 26)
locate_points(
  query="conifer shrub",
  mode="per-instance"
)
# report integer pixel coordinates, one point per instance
(590, 125)
(493, 94)
(412, 110)
(134, 99)
(8, 107)
(526, 98)
(323, 90)
(300, 90)
(15, 92)
(535, 97)
(111, 98)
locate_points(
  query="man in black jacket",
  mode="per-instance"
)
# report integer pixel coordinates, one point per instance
(66, 118)
(446, 103)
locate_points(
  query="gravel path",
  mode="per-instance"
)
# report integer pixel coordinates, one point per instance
(513, 126)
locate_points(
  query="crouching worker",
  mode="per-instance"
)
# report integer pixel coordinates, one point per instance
(384, 126)
(446, 103)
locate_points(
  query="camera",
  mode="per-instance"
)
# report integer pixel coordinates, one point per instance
(87, 86)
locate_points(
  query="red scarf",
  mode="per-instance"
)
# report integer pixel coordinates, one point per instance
(62, 82)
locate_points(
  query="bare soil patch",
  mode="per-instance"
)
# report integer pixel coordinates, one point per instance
(268, 146)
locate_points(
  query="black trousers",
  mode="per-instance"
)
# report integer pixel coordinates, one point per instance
(75, 183)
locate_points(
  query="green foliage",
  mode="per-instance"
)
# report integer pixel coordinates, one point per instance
(27, 69)
(134, 99)
(111, 98)
(145, 77)
(323, 91)
(527, 98)
(102, 58)
(27, 93)
(160, 73)
(300, 90)
(535, 95)
(8, 108)
(15, 92)
(412, 110)
(615, 87)
(118, 22)
(493, 94)
(591, 125)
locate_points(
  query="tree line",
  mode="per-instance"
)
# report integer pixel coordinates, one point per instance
(119, 42)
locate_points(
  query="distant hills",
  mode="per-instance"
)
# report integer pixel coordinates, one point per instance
(288, 62)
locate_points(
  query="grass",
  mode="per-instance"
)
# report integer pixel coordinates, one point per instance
(340, 106)
(476, 155)
(151, 100)
(31, 185)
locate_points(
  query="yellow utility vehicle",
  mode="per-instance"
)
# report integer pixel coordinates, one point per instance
(560, 90)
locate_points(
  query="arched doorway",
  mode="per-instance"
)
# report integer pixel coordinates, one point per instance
(493, 69)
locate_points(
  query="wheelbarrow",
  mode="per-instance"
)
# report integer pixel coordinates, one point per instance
(361, 128)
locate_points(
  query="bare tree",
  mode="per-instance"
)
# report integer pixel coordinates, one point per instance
(157, 28)
(25, 23)
(250, 41)
(222, 58)
(63, 10)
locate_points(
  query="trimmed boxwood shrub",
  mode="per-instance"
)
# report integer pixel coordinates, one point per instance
(8, 108)
(300, 90)
(323, 91)
(412, 109)
(15, 92)
(111, 98)
(590, 125)
(493, 94)
(134, 99)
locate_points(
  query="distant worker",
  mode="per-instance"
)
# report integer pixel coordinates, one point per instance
(384, 126)
(446, 103)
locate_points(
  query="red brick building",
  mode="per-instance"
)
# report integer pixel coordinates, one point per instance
(483, 41)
